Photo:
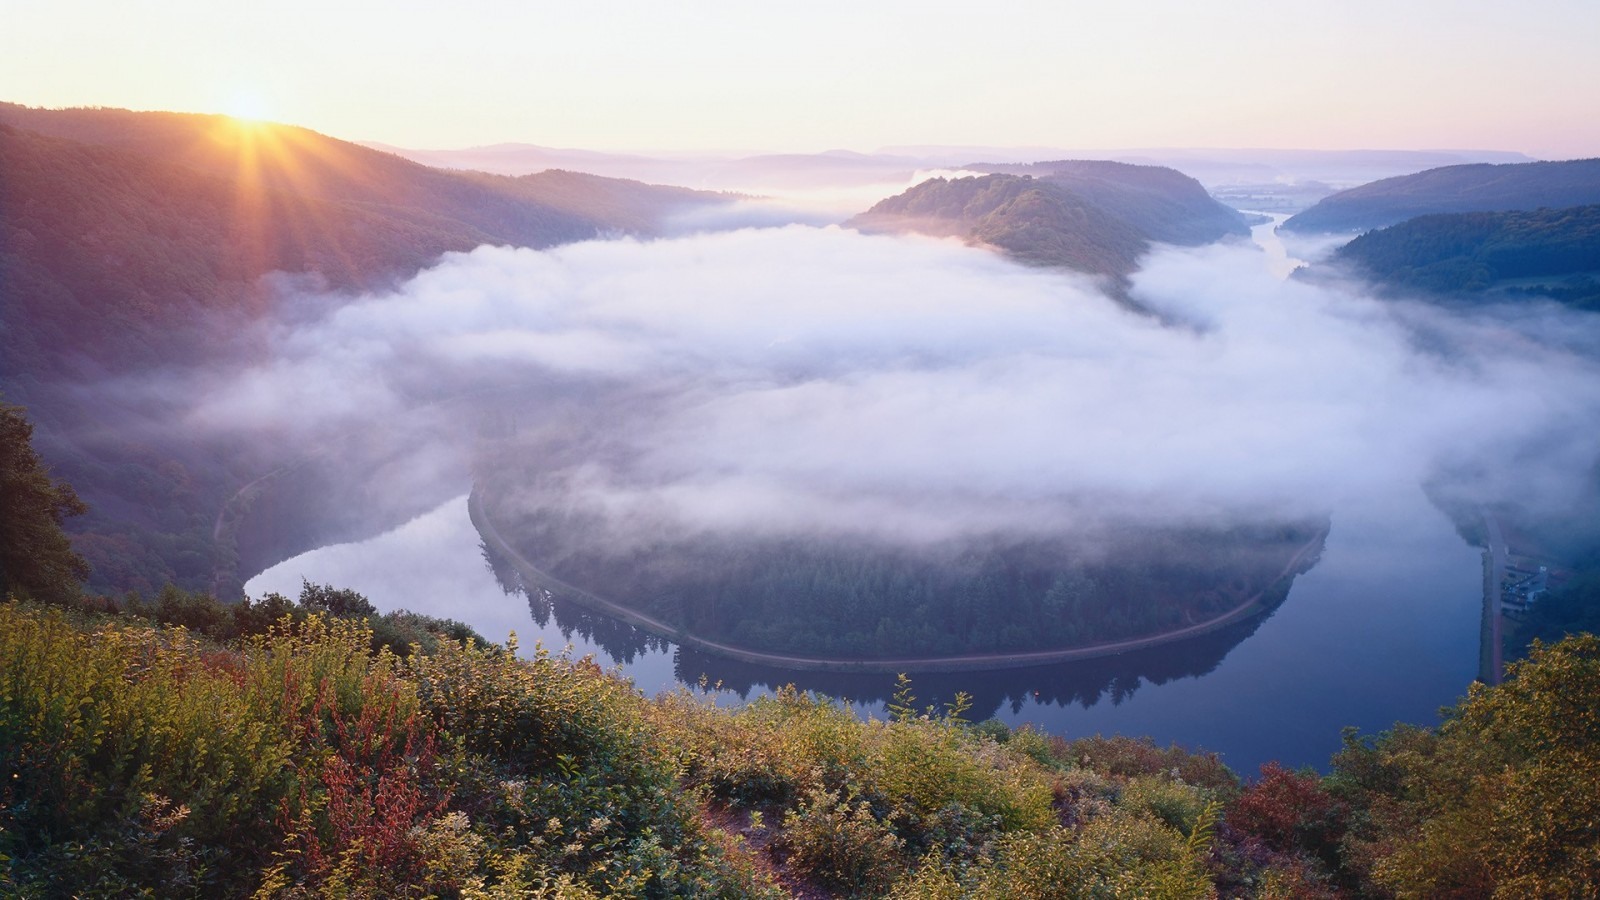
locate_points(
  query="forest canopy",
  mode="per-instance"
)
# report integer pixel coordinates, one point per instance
(1548, 252)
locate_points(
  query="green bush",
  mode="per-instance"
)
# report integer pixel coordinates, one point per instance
(129, 731)
(138, 760)
(840, 843)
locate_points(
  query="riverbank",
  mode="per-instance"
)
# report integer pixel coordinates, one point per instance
(538, 579)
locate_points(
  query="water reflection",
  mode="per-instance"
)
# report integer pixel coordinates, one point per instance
(1081, 683)
(1384, 629)
(1111, 679)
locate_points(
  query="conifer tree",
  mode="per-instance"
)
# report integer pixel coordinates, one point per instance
(36, 557)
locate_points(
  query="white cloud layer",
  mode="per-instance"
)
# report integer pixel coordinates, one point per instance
(806, 378)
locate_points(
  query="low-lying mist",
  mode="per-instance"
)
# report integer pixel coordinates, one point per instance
(816, 381)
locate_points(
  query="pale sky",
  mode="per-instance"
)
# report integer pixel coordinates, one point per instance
(824, 74)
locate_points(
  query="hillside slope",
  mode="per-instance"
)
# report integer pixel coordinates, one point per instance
(531, 211)
(1547, 252)
(1093, 216)
(1033, 221)
(1454, 189)
(1164, 204)
(119, 225)
(134, 244)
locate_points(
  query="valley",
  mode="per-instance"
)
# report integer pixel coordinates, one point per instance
(651, 540)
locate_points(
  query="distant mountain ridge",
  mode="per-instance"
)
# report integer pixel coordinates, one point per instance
(116, 224)
(1093, 216)
(1213, 167)
(1454, 189)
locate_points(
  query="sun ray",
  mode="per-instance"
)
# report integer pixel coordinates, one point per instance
(283, 215)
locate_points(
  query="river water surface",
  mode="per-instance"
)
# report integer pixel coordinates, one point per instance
(1383, 629)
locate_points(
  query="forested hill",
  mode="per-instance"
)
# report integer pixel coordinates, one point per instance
(1454, 189)
(1504, 255)
(1095, 217)
(1163, 204)
(1032, 220)
(535, 210)
(114, 225)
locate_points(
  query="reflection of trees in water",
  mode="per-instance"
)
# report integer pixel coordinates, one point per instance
(836, 597)
(504, 571)
(624, 643)
(1083, 683)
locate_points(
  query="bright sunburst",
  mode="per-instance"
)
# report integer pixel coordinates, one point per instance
(248, 106)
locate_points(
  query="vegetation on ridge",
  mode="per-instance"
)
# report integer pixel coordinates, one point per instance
(143, 759)
(1164, 204)
(1031, 220)
(1479, 187)
(1093, 216)
(1553, 253)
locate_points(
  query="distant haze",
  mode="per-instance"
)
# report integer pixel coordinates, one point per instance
(629, 75)
(852, 181)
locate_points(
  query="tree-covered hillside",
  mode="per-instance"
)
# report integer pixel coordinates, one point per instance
(1094, 216)
(1164, 204)
(858, 598)
(1030, 219)
(1454, 189)
(1549, 252)
(121, 227)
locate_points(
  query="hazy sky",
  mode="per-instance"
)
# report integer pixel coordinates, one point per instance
(629, 74)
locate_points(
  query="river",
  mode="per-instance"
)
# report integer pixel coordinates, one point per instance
(1383, 629)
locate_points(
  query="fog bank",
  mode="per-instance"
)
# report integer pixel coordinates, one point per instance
(805, 379)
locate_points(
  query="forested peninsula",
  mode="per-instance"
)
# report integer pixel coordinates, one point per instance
(854, 604)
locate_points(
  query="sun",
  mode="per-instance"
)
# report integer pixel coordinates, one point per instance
(248, 106)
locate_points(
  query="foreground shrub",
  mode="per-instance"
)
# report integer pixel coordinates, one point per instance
(1120, 854)
(840, 844)
(1291, 812)
(137, 761)
(127, 738)
(1502, 800)
(771, 751)
(564, 755)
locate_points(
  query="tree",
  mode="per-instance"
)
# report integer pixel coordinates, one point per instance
(36, 557)
(341, 602)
